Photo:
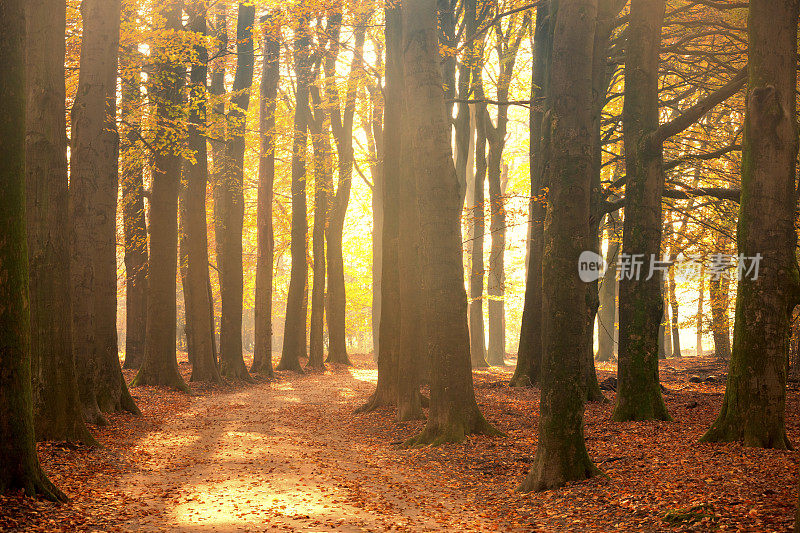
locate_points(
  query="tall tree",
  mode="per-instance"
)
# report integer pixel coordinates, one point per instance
(320, 127)
(386, 390)
(454, 412)
(93, 207)
(507, 46)
(641, 303)
(19, 464)
(270, 77)
(561, 454)
(294, 337)
(194, 236)
(160, 365)
(55, 388)
(755, 396)
(529, 353)
(640, 300)
(131, 178)
(229, 205)
(342, 127)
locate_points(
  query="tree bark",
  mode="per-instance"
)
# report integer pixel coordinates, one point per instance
(477, 340)
(342, 125)
(606, 314)
(454, 412)
(194, 237)
(134, 222)
(262, 352)
(699, 325)
(231, 200)
(294, 338)
(675, 321)
(93, 206)
(561, 454)
(640, 300)
(386, 391)
(507, 48)
(19, 464)
(755, 395)
(56, 407)
(720, 323)
(160, 365)
(529, 353)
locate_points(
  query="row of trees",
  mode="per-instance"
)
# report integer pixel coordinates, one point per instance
(433, 143)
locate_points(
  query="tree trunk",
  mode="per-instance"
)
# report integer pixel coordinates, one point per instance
(231, 197)
(194, 237)
(134, 222)
(160, 365)
(561, 454)
(673, 302)
(497, 175)
(294, 337)
(386, 391)
(374, 133)
(93, 207)
(477, 340)
(19, 464)
(342, 124)
(606, 315)
(262, 352)
(640, 300)
(720, 323)
(320, 125)
(454, 412)
(755, 395)
(56, 407)
(529, 354)
(699, 342)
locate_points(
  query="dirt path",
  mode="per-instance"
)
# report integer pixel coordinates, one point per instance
(279, 457)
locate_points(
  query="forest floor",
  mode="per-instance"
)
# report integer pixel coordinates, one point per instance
(291, 456)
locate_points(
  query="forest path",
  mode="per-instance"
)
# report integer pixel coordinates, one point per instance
(282, 456)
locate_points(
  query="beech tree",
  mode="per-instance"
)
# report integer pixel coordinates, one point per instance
(193, 233)
(229, 205)
(294, 338)
(561, 454)
(56, 405)
(19, 464)
(755, 396)
(160, 365)
(93, 192)
(131, 179)
(454, 412)
(270, 77)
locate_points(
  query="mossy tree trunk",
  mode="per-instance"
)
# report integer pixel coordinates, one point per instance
(561, 454)
(454, 412)
(640, 300)
(755, 396)
(194, 236)
(19, 464)
(56, 406)
(529, 354)
(160, 365)
(294, 337)
(720, 323)
(270, 78)
(93, 192)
